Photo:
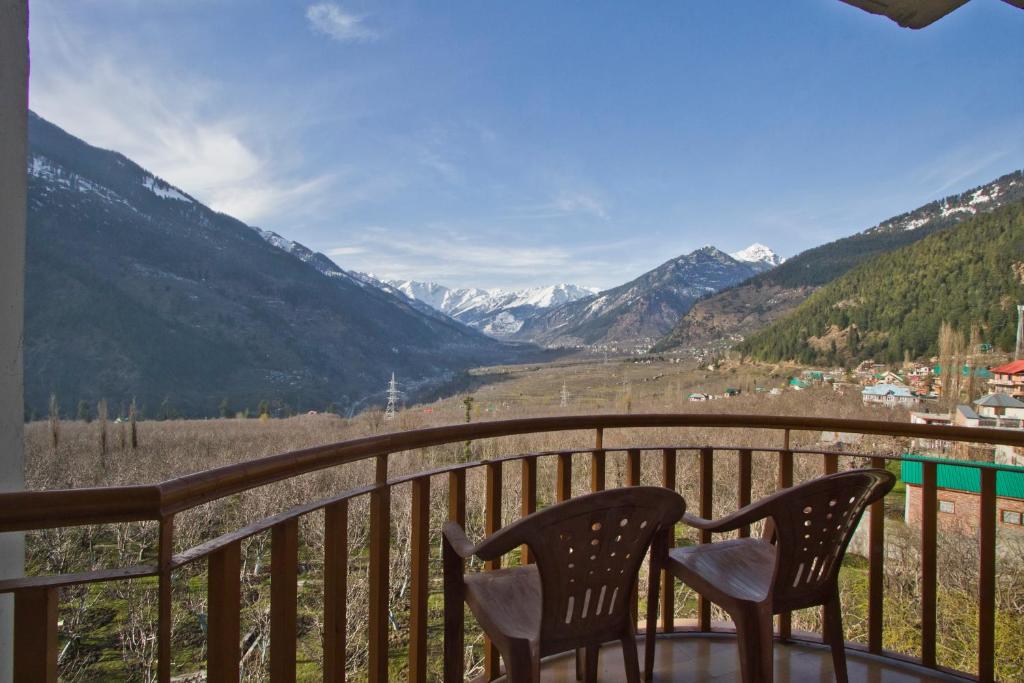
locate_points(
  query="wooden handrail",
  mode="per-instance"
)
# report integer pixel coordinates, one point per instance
(162, 501)
(71, 507)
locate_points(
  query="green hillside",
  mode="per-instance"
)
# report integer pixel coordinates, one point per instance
(969, 274)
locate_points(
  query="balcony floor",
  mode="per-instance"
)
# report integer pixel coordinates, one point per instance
(686, 658)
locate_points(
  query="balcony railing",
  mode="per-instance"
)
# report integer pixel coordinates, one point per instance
(36, 597)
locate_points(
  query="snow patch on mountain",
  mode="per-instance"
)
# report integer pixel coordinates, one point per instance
(58, 177)
(759, 254)
(956, 207)
(163, 190)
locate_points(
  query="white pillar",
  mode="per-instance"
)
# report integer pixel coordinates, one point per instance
(13, 204)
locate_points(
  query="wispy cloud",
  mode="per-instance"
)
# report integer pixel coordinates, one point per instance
(580, 202)
(346, 251)
(456, 258)
(564, 204)
(331, 20)
(172, 125)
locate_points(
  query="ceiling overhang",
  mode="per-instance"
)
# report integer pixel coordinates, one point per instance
(915, 13)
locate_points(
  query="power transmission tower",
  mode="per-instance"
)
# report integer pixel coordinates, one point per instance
(393, 397)
(1020, 333)
(565, 395)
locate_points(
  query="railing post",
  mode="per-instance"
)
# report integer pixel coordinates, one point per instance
(668, 594)
(929, 521)
(284, 564)
(785, 482)
(876, 569)
(707, 487)
(830, 465)
(457, 497)
(35, 635)
(335, 590)
(420, 588)
(563, 478)
(164, 600)
(597, 463)
(492, 658)
(454, 606)
(633, 467)
(380, 579)
(529, 502)
(224, 605)
(987, 578)
(743, 484)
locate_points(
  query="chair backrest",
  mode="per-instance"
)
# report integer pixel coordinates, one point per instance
(589, 551)
(813, 524)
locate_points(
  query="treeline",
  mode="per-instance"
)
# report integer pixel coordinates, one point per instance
(168, 409)
(892, 306)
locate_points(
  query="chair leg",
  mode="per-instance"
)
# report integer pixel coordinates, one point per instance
(579, 664)
(756, 647)
(454, 615)
(590, 667)
(652, 619)
(833, 632)
(629, 658)
(521, 664)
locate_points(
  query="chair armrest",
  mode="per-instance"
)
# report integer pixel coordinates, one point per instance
(456, 538)
(754, 512)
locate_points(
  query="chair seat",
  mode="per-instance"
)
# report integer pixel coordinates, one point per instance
(741, 569)
(508, 600)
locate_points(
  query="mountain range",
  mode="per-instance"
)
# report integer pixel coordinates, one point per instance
(136, 290)
(738, 311)
(632, 316)
(496, 312)
(628, 317)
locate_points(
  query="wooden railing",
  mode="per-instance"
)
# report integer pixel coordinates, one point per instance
(36, 597)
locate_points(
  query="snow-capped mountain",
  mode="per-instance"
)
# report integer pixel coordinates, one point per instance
(759, 256)
(632, 316)
(497, 312)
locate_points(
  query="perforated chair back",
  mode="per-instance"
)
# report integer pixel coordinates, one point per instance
(813, 525)
(589, 551)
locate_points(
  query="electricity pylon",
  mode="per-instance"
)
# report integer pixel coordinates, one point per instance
(393, 396)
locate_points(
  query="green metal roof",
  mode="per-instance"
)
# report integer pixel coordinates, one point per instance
(981, 373)
(960, 475)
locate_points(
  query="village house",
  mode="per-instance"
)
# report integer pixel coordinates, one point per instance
(959, 496)
(1008, 379)
(868, 369)
(889, 377)
(890, 395)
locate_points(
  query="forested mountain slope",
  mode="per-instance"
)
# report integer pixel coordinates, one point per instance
(972, 274)
(738, 311)
(134, 289)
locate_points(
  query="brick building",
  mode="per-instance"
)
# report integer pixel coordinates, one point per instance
(959, 496)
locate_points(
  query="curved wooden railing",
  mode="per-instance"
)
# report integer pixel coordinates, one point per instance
(36, 597)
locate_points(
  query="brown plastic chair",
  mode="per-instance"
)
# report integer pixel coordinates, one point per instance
(794, 565)
(588, 554)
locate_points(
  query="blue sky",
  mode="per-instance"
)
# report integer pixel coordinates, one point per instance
(524, 143)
